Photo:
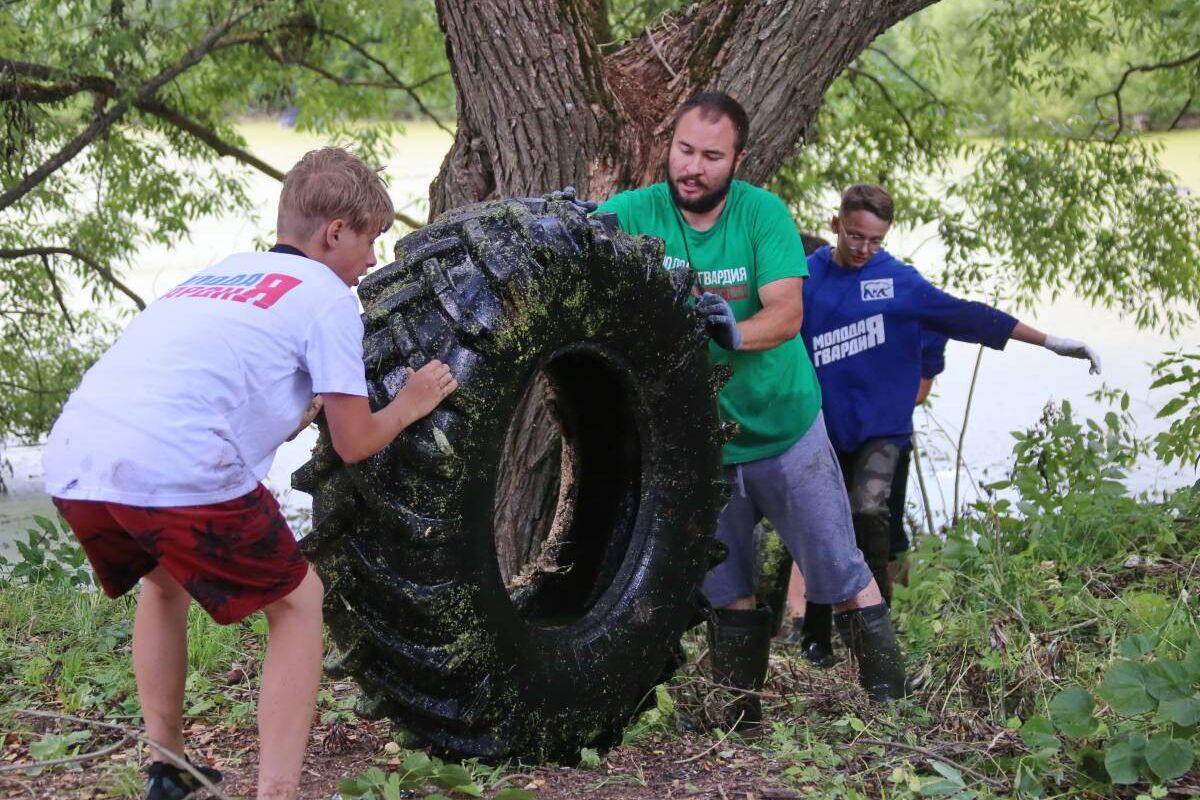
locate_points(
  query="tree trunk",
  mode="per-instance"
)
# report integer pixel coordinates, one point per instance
(540, 107)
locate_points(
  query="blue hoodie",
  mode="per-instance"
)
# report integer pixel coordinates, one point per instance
(863, 329)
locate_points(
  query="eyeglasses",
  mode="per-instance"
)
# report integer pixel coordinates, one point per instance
(857, 240)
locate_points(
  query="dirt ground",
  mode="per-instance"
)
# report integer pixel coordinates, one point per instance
(688, 766)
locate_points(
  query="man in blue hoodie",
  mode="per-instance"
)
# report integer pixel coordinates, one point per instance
(864, 313)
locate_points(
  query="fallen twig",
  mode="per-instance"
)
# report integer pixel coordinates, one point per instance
(75, 759)
(130, 733)
(715, 744)
(931, 754)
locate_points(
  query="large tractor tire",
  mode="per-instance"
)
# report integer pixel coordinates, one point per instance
(557, 652)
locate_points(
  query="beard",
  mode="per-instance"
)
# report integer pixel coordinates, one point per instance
(705, 202)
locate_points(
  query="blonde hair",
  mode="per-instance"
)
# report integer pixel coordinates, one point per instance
(328, 184)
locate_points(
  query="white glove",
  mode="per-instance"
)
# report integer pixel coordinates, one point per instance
(1075, 349)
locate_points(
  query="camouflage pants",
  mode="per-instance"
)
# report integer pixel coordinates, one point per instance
(869, 472)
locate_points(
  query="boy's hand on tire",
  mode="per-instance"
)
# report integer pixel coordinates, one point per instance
(718, 316)
(314, 408)
(427, 386)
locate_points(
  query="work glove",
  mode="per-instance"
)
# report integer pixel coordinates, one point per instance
(718, 318)
(1075, 349)
(567, 193)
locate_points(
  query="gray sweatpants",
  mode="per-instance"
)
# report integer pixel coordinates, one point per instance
(802, 493)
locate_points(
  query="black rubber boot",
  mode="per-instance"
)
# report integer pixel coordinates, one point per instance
(873, 534)
(817, 643)
(868, 635)
(739, 641)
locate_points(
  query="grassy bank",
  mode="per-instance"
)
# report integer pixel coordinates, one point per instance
(1052, 641)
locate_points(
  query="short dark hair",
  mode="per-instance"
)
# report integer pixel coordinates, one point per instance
(868, 197)
(812, 243)
(713, 106)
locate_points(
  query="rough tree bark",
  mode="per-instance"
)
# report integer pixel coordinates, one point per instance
(541, 106)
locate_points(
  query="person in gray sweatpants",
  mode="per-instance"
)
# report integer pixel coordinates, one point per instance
(747, 255)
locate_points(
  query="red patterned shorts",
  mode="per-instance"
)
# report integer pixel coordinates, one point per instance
(233, 558)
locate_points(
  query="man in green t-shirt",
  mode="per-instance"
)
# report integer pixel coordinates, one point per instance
(748, 257)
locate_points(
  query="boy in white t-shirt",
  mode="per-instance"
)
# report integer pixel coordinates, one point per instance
(157, 459)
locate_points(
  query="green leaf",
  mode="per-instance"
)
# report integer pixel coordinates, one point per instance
(1136, 646)
(948, 772)
(514, 794)
(419, 763)
(351, 787)
(1191, 662)
(1173, 405)
(663, 701)
(49, 746)
(589, 758)
(1090, 761)
(1123, 764)
(1071, 711)
(1168, 758)
(1038, 733)
(454, 777)
(1028, 785)
(1124, 689)
(1166, 380)
(1183, 711)
(1168, 680)
(940, 787)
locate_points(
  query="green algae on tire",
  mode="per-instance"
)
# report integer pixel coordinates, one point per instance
(415, 601)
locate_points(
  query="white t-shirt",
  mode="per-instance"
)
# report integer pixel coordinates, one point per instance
(190, 404)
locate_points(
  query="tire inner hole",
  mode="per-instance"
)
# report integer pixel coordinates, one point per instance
(569, 487)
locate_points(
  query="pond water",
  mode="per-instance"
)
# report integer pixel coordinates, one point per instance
(1012, 388)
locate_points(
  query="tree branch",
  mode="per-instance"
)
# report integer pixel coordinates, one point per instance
(57, 292)
(855, 72)
(154, 107)
(1182, 111)
(103, 121)
(1115, 93)
(42, 392)
(396, 82)
(40, 389)
(429, 79)
(208, 136)
(911, 79)
(52, 93)
(228, 149)
(96, 266)
(28, 69)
